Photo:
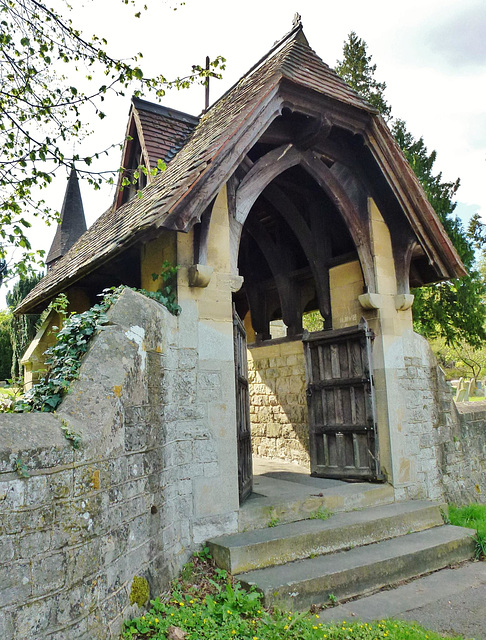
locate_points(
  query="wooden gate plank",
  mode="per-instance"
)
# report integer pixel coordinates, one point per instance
(243, 425)
(342, 424)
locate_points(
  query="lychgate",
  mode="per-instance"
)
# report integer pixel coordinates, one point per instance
(287, 196)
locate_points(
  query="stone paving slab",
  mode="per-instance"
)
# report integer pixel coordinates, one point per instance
(450, 601)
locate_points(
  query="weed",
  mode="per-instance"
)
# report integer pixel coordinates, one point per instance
(332, 599)
(322, 513)
(211, 605)
(273, 522)
(21, 468)
(203, 554)
(445, 516)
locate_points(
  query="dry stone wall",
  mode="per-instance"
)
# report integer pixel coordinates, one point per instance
(76, 531)
(278, 406)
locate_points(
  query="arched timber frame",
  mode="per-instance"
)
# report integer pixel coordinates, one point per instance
(259, 180)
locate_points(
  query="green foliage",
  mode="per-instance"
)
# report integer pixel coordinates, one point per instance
(21, 468)
(72, 341)
(22, 328)
(211, 605)
(167, 295)
(6, 351)
(53, 81)
(64, 357)
(453, 310)
(139, 591)
(356, 69)
(313, 321)
(274, 519)
(472, 516)
(460, 359)
(73, 437)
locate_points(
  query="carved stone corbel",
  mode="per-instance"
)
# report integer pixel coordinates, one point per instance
(199, 275)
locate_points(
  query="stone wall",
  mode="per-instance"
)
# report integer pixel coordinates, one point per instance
(278, 405)
(461, 449)
(439, 450)
(132, 501)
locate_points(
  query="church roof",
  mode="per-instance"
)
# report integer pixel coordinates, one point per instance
(72, 224)
(177, 197)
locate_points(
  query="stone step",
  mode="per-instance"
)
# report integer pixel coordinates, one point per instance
(277, 545)
(258, 512)
(346, 574)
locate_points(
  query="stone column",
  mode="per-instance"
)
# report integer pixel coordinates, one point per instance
(206, 334)
(390, 317)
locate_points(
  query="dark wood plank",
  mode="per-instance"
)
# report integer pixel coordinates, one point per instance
(342, 426)
(243, 425)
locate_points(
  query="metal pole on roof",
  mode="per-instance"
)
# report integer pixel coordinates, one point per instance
(206, 103)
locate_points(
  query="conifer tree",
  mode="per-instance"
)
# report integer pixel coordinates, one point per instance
(22, 328)
(453, 310)
(356, 69)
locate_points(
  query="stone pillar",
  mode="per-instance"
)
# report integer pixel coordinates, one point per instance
(206, 334)
(390, 317)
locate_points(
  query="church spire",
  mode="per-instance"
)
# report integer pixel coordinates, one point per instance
(72, 224)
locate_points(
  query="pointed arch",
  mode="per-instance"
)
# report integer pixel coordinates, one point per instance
(275, 162)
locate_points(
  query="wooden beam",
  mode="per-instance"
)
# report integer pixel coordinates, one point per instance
(357, 226)
(280, 267)
(261, 174)
(201, 235)
(292, 216)
(185, 210)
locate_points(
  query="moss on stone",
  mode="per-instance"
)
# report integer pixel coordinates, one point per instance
(139, 592)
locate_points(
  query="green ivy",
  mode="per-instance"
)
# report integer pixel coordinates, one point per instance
(72, 341)
(64, 357)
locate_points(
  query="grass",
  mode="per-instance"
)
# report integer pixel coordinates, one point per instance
(472, 516)
(206, 603)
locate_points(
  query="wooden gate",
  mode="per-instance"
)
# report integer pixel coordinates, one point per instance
(243, 426)
(340, 398)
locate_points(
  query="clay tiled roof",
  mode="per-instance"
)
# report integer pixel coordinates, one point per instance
(163, 131)
(212, 150)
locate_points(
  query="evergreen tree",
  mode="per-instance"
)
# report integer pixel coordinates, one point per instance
(22, 328)
(356, 69)
(453, 310)
(5, 346)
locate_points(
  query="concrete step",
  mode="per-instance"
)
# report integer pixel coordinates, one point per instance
(345, 574)
(258, 511)
(277, 545)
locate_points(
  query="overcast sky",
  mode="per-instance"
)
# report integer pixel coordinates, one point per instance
(430, 53)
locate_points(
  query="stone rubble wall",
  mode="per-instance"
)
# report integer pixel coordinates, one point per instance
(278, 405)
(461, 448)
(76, 531)
(441, 448)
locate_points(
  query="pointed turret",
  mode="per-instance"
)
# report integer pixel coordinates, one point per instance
(72, 224)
